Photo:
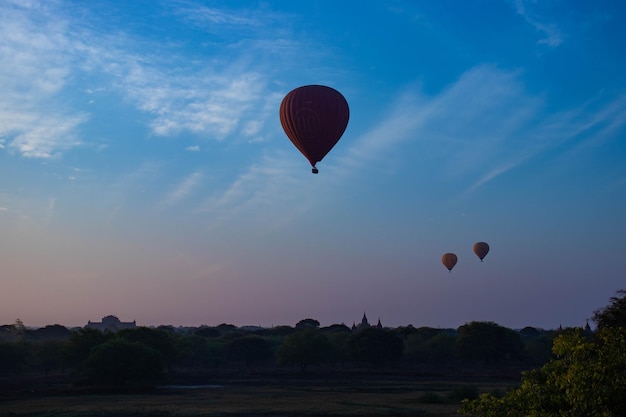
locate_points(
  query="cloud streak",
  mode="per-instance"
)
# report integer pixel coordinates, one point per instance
(480, 127)
(184, 188)
(207, 97)
(37, 60)
(553, 36)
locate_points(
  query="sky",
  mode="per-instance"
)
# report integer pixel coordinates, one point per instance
(144, 172)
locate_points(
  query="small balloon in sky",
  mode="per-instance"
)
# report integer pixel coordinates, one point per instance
(314, 118)
(449, 260)
(481, 249)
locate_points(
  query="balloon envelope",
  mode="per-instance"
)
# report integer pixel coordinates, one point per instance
(314, 117)
(449, 260)
(481, 249)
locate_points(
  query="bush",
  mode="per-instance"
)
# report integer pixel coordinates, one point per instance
(118, 362)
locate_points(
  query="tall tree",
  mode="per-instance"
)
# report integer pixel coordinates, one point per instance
(308, 323)
(376, 346)
(303, 348)
(81, 342)
(118, 362)
(249, 349)
(613, 315)
(586, 378)
(488, 342)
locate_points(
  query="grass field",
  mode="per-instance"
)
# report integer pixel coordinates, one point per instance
(268, 397)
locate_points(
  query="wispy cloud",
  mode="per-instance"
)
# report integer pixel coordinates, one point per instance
(266, 194)
(474, 121)
(552, 34)
(47, 136)
(50, 209)
(193, 148)
(43, 52)
(37, 59)
(184, 188)
(480, 127)
(209, 18)
(227, 94)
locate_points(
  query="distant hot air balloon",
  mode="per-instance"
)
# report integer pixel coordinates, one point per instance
(449, 260)
(314, 117)
(481, 249)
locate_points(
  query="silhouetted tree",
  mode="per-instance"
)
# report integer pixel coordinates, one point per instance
(537, 345)
(160, 340)
(194, 351)
(339, 345)
(119, 361)
(208, 332)
(249, 349)
(12, 357)
(49, 354)
(336, 328)
(226, 328)
(54, 331)
(429, 345)
(307, 323)
(278, 331)
(487, 342)
(376, 346)
(303, 348)
(585, 378)
(614, 314)
(81, 342)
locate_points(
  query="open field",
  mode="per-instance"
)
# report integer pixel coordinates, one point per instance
(265, 396)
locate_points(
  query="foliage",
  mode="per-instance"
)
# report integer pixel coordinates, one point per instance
(488, 342)
(428, 345)
(304, 348)
(249, 349)
(54, 331)
(308, 323)
(376, 346)
(12, 357)
(337, 328)
(613, 315)
(339, 351)
(118, 361)
(157, 339)
(537, 345)
(208, 332)
(49, 354)
(81, 342)
(195, 351)
(587, 378)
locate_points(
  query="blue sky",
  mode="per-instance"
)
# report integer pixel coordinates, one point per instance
(144, 171)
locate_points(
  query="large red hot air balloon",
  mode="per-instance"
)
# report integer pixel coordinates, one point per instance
(314, 117)
(449, 260)
(481, 249)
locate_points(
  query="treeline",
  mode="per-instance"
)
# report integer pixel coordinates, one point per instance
(147, 354)
(585, 377)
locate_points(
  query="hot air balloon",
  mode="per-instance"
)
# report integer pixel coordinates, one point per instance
(314, 117)
(449, 260)
(481, 249)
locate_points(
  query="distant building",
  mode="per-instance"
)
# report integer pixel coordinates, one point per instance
(364, 324)
(110, 324)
